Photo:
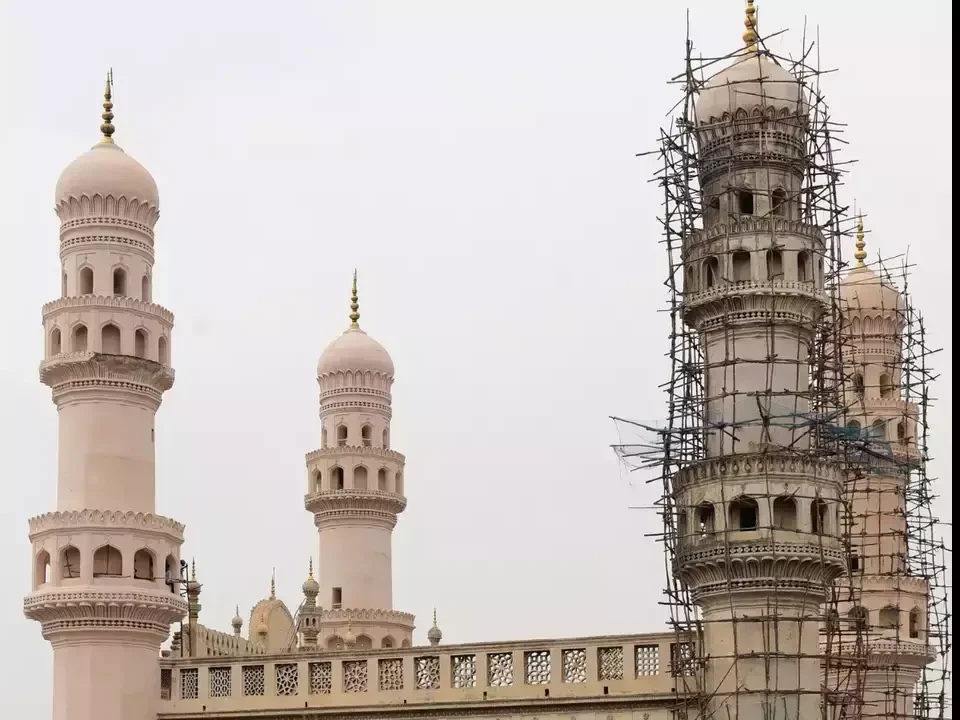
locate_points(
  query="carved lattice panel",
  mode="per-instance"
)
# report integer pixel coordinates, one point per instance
(288, 678)
(463, 669)
(391, 674)
(575, 666)
(648, 660)
(500, 669)
(254, 682)
(221, 681)
(166, 681)
(537, 667)
(683, 659)
(610, 663)
(428, 673)
(189, 683)
(354, 676)
(321, 678)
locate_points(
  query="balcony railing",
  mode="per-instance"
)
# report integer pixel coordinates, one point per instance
(618, 666)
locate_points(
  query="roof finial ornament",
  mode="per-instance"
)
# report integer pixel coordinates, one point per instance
(860, 254)
(107, 127)
(310, 573)
(193, 569)
(273, 584)
(750, 22)
(354, 304)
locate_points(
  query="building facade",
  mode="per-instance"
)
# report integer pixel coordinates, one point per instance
(763, 537)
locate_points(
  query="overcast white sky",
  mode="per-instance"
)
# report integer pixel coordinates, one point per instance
(475, 160)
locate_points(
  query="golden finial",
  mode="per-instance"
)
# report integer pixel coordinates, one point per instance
(310, 573)
(750, 22)
(273, 584)
(107, 127)
(193, 569)
(860, 254)
(354, 304)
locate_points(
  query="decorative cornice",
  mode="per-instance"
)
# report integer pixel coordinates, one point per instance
(88, 370)
(331, 506)
(760, 564)
(108, 302)
(751, 224)
(87, 210)
(61, 612)
(327, 407)
(99, 520)
(747, 467)
(336, 451)
(354, 390)
(67, 244)
(881, 653)
(754, 301)
(389, 617)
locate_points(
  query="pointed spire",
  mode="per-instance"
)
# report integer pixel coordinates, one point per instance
(193, 569)
(354, 304)
(107, 127)
(434, 617)
(860, 254)
(750, 23)
(310, 572)
(273, 584)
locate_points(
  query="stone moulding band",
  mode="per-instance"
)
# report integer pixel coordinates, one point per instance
(92, 241)
(90, 370)
(100, 520)
(85, 609)
(338, 450)
(108, 302)
(759, 465)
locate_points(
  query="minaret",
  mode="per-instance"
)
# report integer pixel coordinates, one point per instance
(106, 567)
(888, 602)
(355, 492)
(757, 516)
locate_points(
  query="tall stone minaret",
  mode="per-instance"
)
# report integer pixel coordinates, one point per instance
(758, 515)
(888, 603)
(355, 491)
(105, 566)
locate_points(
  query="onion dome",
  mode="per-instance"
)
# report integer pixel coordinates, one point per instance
(349, 639)
(434, 635)
(354, 350)
(863, 289)
(311, 588)
(237, 622)
(754, 79)
(106, 170)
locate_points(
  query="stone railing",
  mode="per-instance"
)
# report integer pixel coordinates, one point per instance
(213, 643)
(109, 301)
(596, 669)
(73, 520)
(368, 451)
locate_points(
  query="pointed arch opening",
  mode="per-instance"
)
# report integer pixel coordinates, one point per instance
(878, 430)
(774, 265)
(858, 383)
(107, 562)
(833, 621)
(41, 572)
(366, 435)
(341, 435)
(886, 386)
(317, 481)
(745, 201)
(63, 285)
(110, 339)
(858, 616)
(69, 562)
(683, 528)
(386, 439)
(778, 203)
(336, 478)
(706, 519)
(79, 341)
(387, 642)
(162, 351)
(323, 438)
(889, 618)
(119, 281)
(785, 513)
(334, 642)
(741, 266)
(744, 513)
(382, 480)
(818, 516)
(360, 477)
(711, 272)
(145, 289)
(171, 573)
(55, 343)
(143, 565)
(914, 623)
(140, 344)
(901, 431)
(364, 642)
(86, 281)
(803, 267)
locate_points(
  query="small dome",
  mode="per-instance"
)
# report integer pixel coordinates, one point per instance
(355, 350)
(237, 621)
(106, 170)
(863, 289)
(349, 638)
(752, 80)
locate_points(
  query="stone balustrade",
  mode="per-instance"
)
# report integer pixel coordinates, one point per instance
(588, 669)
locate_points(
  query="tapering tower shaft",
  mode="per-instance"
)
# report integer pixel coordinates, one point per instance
(105, 566)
